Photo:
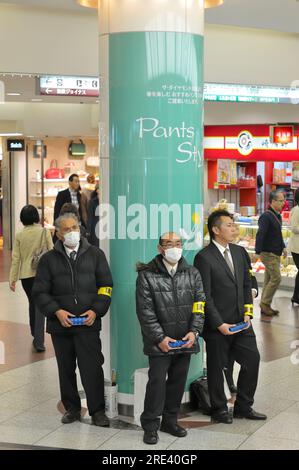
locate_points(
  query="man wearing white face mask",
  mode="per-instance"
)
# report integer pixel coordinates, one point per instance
(170, 306)
(73, 283)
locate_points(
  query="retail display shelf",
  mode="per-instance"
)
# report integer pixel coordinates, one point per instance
(58, 180)
(46, 195)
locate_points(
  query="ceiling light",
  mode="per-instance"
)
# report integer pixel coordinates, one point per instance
(13, 94)
(10, 134)
(213, 3)
(88, 3)
(36, 99)
(94, 3)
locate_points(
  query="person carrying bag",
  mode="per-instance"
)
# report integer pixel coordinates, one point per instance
(29, 246)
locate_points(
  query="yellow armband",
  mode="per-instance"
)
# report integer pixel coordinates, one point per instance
(248, 310)
(105, 291)
(199, 308)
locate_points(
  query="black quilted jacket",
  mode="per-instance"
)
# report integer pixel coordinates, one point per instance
(164, 304)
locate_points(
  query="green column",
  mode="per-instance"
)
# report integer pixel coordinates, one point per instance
(156, 165)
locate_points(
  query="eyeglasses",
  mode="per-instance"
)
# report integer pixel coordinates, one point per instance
(169, 244)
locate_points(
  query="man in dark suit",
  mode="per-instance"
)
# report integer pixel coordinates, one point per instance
(72, 195)
(224, 270)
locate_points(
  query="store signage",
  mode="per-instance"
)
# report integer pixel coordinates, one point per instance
(15, 145)
(68, 86)
(282, 134)
(237, 93)
(250, 143)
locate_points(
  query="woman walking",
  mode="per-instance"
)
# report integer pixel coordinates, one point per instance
(28, 241)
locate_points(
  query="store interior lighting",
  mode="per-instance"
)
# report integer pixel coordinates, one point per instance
(94, 3)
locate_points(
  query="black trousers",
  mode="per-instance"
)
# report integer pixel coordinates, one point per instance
(36, 319)
(242, 346)
(83, 348)
(296, 290)
(163, 396)
(229, 370)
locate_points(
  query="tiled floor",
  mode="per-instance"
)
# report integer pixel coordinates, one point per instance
(29, 392)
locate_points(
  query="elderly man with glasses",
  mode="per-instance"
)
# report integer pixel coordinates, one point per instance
(269, 245)
(170, 307)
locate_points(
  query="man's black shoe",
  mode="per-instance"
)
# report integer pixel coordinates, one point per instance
(173, 429)
(150, 437)
(233, 389)
(222, 417)
(71, 417)
(100, 419)
(254, 415)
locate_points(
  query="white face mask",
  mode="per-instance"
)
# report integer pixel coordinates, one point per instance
(71, 239)
(173, 255)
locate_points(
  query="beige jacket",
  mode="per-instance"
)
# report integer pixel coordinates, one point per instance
(293, 245)
(27, 241)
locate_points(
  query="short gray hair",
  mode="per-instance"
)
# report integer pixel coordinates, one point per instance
(67, 215)
(274, 195)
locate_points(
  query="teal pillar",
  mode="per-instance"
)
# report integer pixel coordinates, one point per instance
(151, 134)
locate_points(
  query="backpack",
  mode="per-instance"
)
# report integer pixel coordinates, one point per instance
(199, 395)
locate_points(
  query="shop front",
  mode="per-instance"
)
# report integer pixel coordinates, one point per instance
(243, 165)
(49, 175)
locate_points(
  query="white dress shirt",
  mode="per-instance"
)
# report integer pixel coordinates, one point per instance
(169, 267)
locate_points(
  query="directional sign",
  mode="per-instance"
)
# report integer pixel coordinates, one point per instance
(239, 93)
(69, 86)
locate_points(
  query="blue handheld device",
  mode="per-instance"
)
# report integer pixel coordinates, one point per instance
(77, 321)
(177, 344)
(239, 326)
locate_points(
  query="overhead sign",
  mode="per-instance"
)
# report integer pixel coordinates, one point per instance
(250, 93)
(282, 134)
(69, 86)
(15, 145)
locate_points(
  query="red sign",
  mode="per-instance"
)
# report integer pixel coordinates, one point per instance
(282, 134)
(247, 143)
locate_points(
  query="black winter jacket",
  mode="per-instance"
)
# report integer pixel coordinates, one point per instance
(269, 236)
(58, 285)
(165, 304)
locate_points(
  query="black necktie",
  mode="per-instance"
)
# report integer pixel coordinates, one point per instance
(73, 256)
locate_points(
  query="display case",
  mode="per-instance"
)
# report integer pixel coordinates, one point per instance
(51, 189)
(246, 238)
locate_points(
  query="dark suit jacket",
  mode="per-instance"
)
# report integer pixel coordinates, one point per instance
(226, 294)
(63, 197)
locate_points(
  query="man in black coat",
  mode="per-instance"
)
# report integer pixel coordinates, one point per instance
(72, 195)
(74, 280)
(170, 307)
(227, 285)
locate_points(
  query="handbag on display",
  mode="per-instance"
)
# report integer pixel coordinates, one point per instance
(53, 172)
(40, 251)
(77, 149)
